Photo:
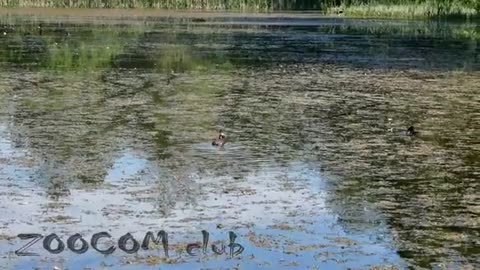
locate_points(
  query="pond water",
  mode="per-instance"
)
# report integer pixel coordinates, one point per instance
(106, 125)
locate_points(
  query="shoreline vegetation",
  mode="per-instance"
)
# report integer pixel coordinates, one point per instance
(406, 9)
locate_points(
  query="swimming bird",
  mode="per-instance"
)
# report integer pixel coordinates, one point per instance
(172, 75)
(411, 131)
(198, 20)
(220, 140)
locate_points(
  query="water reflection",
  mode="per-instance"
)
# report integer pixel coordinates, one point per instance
(361, 43)
(114, 122)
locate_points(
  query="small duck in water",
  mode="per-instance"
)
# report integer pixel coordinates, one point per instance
(411, 131)
(220, 140)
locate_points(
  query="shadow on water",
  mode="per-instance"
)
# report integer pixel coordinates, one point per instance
(109, 126)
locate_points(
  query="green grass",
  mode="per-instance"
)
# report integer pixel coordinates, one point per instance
(411, 9)
(351, 8)
(251, 5)
(414, 29)
(354, 8)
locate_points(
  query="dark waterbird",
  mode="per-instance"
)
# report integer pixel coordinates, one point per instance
(171, 76)
(198, 20)
(220, 140)
(411, 131)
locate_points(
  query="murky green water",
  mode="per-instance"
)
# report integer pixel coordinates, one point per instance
(106, 125)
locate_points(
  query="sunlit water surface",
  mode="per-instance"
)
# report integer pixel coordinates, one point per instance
(105, 125)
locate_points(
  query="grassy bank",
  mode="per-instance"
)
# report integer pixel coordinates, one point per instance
(412, 9)
(351, 8)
